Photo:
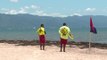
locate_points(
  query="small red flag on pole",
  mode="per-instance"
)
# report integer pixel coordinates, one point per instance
(92, 28)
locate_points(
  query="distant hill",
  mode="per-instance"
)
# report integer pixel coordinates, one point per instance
(27, 21)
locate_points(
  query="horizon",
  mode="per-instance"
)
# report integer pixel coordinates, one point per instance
(53, 16)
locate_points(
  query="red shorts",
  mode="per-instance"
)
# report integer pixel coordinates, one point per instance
(63, 41)
(42, 39)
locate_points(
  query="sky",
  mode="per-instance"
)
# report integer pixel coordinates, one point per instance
(59, 8)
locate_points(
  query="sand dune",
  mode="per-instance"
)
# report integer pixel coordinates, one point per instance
(14, 52)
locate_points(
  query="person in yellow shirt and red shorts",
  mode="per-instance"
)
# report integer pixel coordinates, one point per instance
(64, 32)
(41, 33)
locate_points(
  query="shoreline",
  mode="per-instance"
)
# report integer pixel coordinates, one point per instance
(81, 45)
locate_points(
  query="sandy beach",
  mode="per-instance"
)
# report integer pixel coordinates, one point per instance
(13, 51)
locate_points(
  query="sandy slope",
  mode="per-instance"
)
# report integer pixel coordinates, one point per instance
(12, 52)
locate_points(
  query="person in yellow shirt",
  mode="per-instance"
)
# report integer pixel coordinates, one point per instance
(41, 33)
(64, 32)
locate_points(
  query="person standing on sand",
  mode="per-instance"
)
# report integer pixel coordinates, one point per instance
(41, 33)
(64, 32)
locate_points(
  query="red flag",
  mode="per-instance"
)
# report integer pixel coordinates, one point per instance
(92, 28)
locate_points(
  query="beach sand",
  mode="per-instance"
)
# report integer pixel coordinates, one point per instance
(32, 52)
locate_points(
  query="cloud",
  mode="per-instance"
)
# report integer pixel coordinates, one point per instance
(14, 1)
(39, 12)
(90, 9)
(26, 7)
(32, 9)
(76, 14)
(22, 11)
(11, 12)
(57, 15)
(34, 6)
(42, 13)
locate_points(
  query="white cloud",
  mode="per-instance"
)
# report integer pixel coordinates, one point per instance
(15, 1)
(33, 9)
(90, 9)
(57, 15)
(14, 11)
(39, 11)
(26, 7)
(76, 14)
(11, 12)
(22, 11)
(42, 13)
(34, 6)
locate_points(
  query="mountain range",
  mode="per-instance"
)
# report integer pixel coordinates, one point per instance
(28, 22)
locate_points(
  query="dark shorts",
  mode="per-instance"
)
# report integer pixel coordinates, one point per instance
(42, 39)
(63, 41)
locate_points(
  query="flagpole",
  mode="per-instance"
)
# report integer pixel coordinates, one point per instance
(92, 30)
(90, 42)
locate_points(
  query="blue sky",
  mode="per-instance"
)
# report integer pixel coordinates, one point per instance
(60, 8)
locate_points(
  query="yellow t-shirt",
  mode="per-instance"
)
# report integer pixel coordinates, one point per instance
(41, 31)
(67, 32)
